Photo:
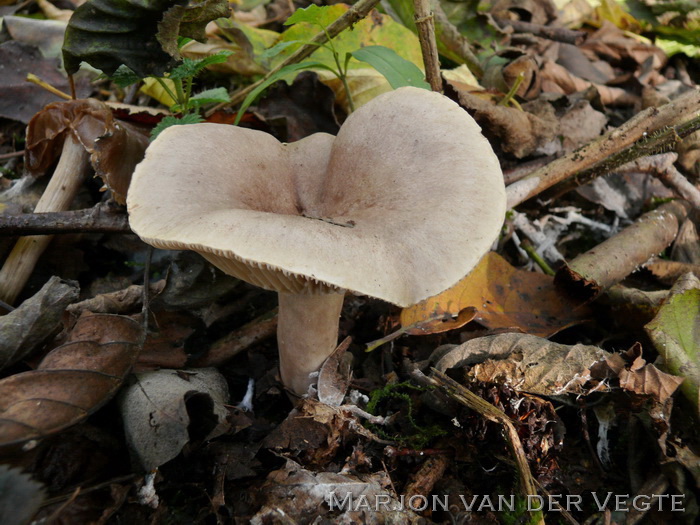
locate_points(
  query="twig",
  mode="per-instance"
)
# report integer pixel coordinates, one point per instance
(663, 140)
(98, 219)
(597, 151)
(611, 261)
(558, 34)
(240, 340)
(454, 41)
(458, 393)
(353, 15)
(428, 45)
(5, 156)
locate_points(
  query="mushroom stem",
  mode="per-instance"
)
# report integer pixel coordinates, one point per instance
(59, 193)
(307, 333)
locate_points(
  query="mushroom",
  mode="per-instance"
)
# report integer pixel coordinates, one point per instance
(399, 206)
(81, 134)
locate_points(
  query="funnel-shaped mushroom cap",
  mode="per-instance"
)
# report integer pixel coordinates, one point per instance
(399, 206)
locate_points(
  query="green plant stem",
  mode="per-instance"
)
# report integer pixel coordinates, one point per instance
(166, 88)
(509, 98)
(181, 99)
(530, 250)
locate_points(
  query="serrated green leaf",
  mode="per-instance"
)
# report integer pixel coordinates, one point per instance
(317, 15)
(210, 96)
(169, 121)
(109, 33)
(675, 332)
(282, 74)
(124, 77)
(191, 67)
(397, 70)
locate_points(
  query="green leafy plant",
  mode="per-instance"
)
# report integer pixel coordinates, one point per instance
(397, 70)
(178, 85)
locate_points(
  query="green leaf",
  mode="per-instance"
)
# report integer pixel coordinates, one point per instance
(210, 96)
(169, 121)
(109, 33)
(124, 77)
(397, 70)
(675, 331)
(374, 30)
(280, 75)
(191, 68)
(320, 16)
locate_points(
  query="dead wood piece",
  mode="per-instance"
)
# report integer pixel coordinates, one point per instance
(428, 45)
(453, 41)
(558, 34)
(99, 219)
(610, 262)
(427, 476)
(259, 329)
(594, 153)
(120, 302)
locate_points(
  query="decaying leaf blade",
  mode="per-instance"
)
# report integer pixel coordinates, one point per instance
(71, 382)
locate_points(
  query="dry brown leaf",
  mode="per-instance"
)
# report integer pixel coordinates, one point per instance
(71, 382)
(504, 297)
(668, 272)
(36, 319)
(115, 146)
(527, 363)
(637, 376)
(517, 132)
(557, 79)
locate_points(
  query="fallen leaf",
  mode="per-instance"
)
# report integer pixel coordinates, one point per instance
(20, 496)
(71, 382)
(526, 363)
(504, 297)
(46, 35)
(518, 132)
(293, 494)
(163, 409)
(296, 111)
(19, 99)
(37, 318)
(335, 375)
(675, 332)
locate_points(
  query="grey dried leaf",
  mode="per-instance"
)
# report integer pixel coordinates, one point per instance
(36, 319)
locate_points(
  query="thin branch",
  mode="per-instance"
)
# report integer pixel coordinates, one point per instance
(558, 34)
(646, 122)
(663, 140)
(99, 219)
(353, 15)
(428, 45)
(5, 156)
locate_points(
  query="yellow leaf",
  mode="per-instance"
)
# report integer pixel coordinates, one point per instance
(153, 89)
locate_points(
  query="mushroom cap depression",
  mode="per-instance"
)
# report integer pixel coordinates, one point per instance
(400, 205)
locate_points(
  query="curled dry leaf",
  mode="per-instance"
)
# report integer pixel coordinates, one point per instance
(71, 382)
(518, 132)
(675, 332)
(37, 318)
(535, 365)
(504, 297)
(164, 410)
(115, 146)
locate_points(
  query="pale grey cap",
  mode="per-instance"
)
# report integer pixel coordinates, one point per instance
(400, 205)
